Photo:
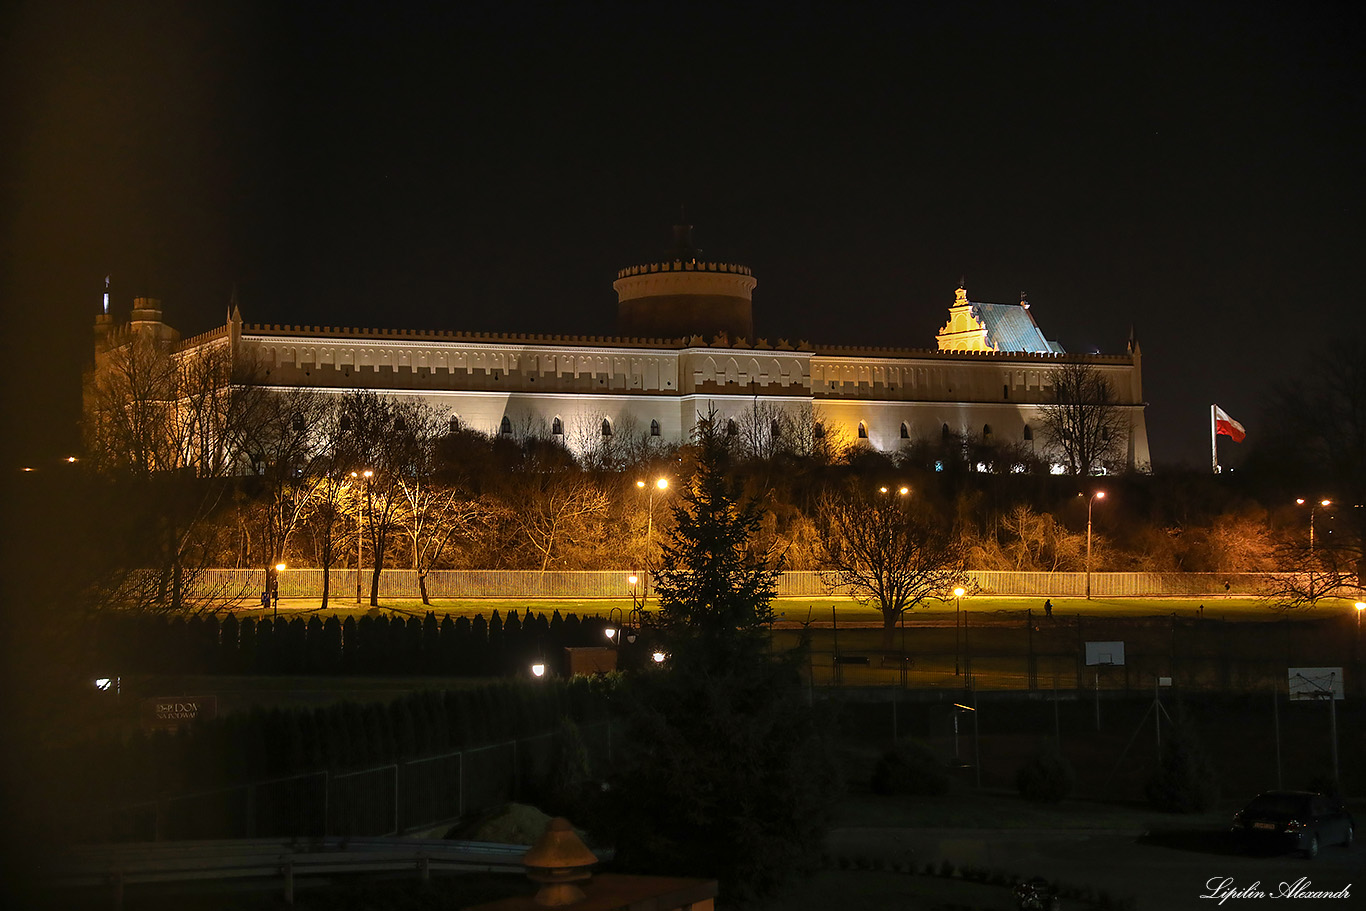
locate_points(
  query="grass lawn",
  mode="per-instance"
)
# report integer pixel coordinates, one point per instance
(821, 611)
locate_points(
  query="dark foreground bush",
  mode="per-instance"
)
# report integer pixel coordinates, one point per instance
(910, 768)
(1045, 777)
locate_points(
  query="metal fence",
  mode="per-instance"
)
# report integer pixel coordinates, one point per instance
(246, 584)
(1018, 650)
(383, 800)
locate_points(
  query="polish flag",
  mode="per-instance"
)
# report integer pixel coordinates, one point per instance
(1227, 425)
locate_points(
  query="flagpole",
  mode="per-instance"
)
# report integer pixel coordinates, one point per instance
(1213, 439)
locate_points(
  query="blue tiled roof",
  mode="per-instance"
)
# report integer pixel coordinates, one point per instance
(1011, 327)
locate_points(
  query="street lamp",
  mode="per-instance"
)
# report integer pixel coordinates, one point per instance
(660, 484)
(538, 670)
(1098, 495)
(367, 474)
(275, 591)
(1312, 506)
(958, 594)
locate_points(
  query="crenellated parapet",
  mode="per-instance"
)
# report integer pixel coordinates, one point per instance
(679, 265)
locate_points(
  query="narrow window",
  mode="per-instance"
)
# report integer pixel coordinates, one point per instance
(654, 428)
(345, 425)
(1005, 391)
(775, 429)
(298, 423)
(557, 427)
(944, 434)
(905, 431)
(606, 427)
(986, 432)
(818, 431)
(505, 427)
(454, 423)
(1029, 434)
(862, 431)
(732, 429)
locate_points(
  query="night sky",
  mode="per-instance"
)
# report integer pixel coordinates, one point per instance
(1191, 170)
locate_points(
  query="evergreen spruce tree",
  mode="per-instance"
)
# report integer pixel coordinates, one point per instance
(727, 773)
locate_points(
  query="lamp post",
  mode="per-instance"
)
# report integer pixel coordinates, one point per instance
(275, 592)
(1360, 606)
(659, 484)
(1312, 506)
(367, 474)
(1098, 495)
(957, 613)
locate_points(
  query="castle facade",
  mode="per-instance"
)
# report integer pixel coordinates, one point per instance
(686, 348)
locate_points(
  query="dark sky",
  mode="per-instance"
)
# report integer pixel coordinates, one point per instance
(1191, 170)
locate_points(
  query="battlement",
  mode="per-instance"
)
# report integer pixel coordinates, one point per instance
(509, 338)
(679, 265)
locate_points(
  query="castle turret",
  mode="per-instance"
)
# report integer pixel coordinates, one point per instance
(685, 295)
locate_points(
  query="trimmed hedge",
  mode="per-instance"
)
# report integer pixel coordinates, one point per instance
(499, 646)
(271, 743)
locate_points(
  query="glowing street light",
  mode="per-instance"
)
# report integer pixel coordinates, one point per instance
(610, 633)
(958, 594)
(658, 657)
(367, 474)
(660, 484)
(275, 591)
(538, 670)
(1098, 495)
(1312, 506)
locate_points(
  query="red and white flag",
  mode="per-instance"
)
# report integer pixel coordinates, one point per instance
(1223, 424)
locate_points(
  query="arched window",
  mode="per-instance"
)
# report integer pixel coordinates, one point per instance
(862, 431)
(775, 429)
(345, 425)
(505, 427)
(818, 431)
(905, 431)
(944, 434)
(453, 425)
(298, 424)
(654, 428)
(400, 426)
(606, 427)
(557, 427)
(1029, 434)
(732, 429)
(986, 432)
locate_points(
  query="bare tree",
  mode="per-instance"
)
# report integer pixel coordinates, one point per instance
(431, 513)
(380, 438)
(550, 508)
(1083, 422)
(169, 424)
(887, 546)
(282, 441)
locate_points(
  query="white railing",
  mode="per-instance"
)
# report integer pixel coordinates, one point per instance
(246, 584)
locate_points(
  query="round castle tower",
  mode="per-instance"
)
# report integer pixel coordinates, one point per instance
(685, 296)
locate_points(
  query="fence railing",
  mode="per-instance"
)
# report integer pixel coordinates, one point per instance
(385, 800)
(246, 584)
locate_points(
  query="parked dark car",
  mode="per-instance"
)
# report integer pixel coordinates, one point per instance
(1294, 821)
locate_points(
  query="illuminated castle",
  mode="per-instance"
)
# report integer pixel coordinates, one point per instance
(685, 346)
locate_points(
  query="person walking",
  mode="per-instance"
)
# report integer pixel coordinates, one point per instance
(1048, 609)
